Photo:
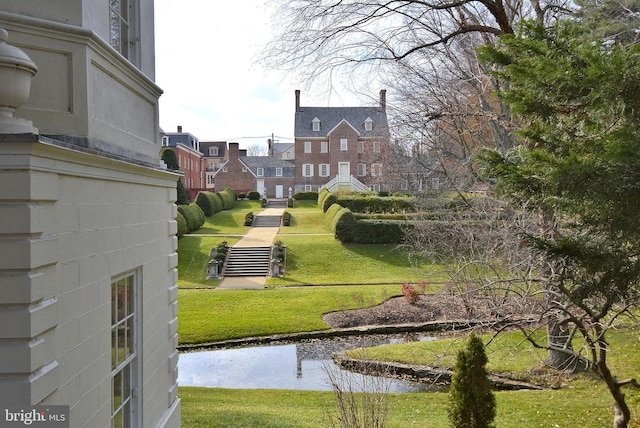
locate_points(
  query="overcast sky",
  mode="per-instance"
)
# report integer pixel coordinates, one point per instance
(206, 54)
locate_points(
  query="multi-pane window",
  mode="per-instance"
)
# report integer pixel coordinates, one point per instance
(316, 124)
(278, 172)
(307, 146)
(324, 170)
(260, 172)
(123, 351)
(213, 151)
(307, 188)
(119, 26)
(362, 170)
(307, 170)
(376, 146)
(324, 147)
(343, 144)
(368, 124)
(376, 170)
(435, 183)
(360, 147)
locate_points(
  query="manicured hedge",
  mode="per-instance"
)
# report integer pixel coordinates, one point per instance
(306, 196)
(193, 215)
(253, 195)
(228, 198)
(248, 219)
(377, 204)
(204, 202)
(341, 222)
(182, 225)
(286, 218)
(380, 231)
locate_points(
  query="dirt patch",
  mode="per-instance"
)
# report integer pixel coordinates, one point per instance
(432, 307)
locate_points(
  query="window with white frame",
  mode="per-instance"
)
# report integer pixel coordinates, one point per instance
(324, 169)
(123, 28)
(307, 146)
(376, 169)
(362, 170)
(260, 172)
(376, 146)
(343, 144)
(435, 183)
(307, 170)
(315, 123)
(213, 151)
(307, 188)
(360, 147)
(165, 141)
(376, 187)
(278, 172)
(324, 147)
(124, 351)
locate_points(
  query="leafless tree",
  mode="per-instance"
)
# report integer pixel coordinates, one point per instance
(257, 149)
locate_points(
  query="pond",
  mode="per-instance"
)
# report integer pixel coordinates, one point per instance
(304, 365)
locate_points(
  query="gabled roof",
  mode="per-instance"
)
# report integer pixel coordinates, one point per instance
(221, 145)
(278, 148)
(269, 164)
(330, 117)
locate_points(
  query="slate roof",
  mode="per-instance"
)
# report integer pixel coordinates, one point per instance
(221, 145)
(332, 116)
(183, 138)
(269, 164)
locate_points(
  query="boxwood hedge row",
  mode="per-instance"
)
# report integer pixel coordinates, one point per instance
(193, 216)
(377, 204)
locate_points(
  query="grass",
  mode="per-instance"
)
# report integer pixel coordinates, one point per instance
(230, 222)
(214, 315)
(193, 258)
(307, 218)
(324, 260)
(586, 405)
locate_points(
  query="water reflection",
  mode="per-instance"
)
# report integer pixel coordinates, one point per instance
(300, 366)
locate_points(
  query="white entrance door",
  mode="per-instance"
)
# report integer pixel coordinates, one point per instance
(260, 187)
(279, 191)
(344, 175)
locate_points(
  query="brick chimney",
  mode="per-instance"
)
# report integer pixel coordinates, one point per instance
(234, 151)
(383, 100)
(180, 128)
(297, 100)
(242, 152)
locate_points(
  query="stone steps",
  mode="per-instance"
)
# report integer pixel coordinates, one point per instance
(247, 261)
(267, 221)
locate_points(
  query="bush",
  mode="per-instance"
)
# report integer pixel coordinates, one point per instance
(321, 197)
(344, 224)
(193, 216)
(248, 219)
(329, 200)
(290, 203)
(242, 195)
(410, 294)
(220, 200)
(472, 403)
(182, 225)
(216, 201)
(204, 202)
(330, 215)
(306, 196)
(229, 197)
(182, 196)
(286, 218)
(254, 195)
(376, 204)
(380, 231)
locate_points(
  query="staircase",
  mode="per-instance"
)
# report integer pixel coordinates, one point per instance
(247, 261)
(277, 203)
(267, 221)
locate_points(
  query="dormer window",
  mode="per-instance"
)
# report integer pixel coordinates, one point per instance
(368, 124)
(213, 151)
(316, 124)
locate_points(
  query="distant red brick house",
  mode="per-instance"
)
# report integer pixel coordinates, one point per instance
(187, 149)
(270, 176)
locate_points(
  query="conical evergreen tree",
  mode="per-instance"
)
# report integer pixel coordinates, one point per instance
(472, 402)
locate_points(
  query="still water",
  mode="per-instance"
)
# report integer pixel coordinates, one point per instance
(300, 366)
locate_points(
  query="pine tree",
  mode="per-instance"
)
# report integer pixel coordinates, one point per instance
(473, 404)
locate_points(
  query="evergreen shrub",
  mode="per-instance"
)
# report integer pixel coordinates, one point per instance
(377, 204)
(182, 225)
(321, 196)
(344, 224)
(248, 219)
(193, 216)
(204, 202)
(380, 231)
(253, 195)
(286, 218)
(306, 196)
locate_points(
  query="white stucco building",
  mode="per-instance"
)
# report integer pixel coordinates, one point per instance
(88, 312)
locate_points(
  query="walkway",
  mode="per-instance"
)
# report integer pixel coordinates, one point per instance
(255, 237)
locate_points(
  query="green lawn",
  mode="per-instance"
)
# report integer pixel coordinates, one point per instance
(214, 315)
(230, 222)
(193, 258)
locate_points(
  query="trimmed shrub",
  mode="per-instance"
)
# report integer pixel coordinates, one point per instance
(286, 218)
(306, 196)
(182, 225)
(220, 198)
(229, 197)
(290, 203)
(253, 195)
(376, 204)
(380, 231)
(204, 202)
(242, 195)
(329, 200)
(321, 197)
(182, 196)
(330, 215)
(193, 215)
(344, 224)
(248, 219)
(216, 201)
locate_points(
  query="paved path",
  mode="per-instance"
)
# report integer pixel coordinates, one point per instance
(255, 237)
